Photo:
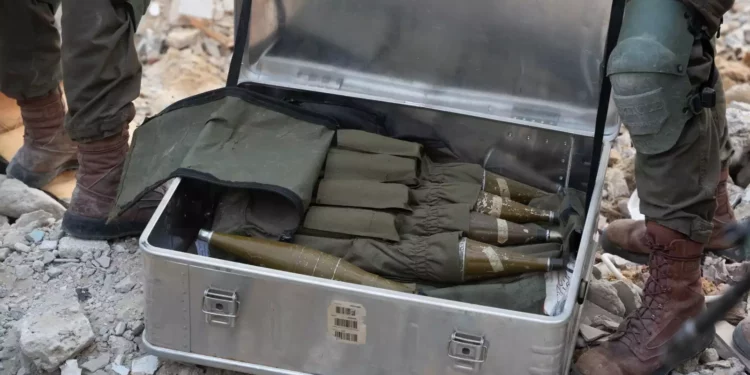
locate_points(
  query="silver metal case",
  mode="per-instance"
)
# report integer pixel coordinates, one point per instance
(528, 75)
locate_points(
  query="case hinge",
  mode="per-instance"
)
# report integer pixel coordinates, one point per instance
(220, 307)
(468, 351)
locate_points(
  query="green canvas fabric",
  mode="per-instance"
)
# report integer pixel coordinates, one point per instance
(232, 138)
(348, 221)
(500, 293)
(428, 220)
(358, 140)
(352, 165)
(363, 194)
(430, 193)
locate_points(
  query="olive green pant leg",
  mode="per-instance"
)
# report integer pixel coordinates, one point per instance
(720, 112)
(677, 187)
(102, 70)
(29, 48)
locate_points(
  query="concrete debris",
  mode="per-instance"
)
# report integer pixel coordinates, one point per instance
(120, 370)
(146, 365)
(33, 220)
(709, 355)
(120, 328)
(96, 363)
(23, 272)
(125, 285)
(4, 252)
(38, 266)
(604, 294)
(35, 236)
(72, 248)
(48, 245)
(21, 247)
(17, 199)
(53, 272)
(54, 333)
(181, 38)
(3, 221)
(70, 368)
(591, 334)
(689, 366)
(629, 296)
(48, 258)
(120, 345)
(103, 261)
(593, 313)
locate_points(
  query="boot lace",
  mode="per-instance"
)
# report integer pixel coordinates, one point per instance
(642, 320)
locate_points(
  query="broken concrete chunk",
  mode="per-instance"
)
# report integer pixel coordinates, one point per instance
(38, 266)
(689, 366)
(35, 236)
(125, 285)
(136, 327)
(53, 272)
(23, 272)
(70, 368)
(603, 294)
(146, 365)
(48, 257)
(17, 199)
(54, 333)
(103, 261)
(21, 247)
(121, 345)
(181, 38)
(73, 248)
(96, 363)
(709, 355)
(120, 328)
(120, 370)
(32, 220)
(629, 296)
(4, 252)
(48, 245)
(591, 334)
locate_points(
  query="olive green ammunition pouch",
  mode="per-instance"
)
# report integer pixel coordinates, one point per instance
(648, 71)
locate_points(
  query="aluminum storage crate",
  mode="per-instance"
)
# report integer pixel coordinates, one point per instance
(528, 75)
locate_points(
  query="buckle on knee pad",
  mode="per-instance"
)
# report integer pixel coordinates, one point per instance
(706, 98)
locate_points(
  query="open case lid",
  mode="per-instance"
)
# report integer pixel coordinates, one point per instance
(536, 63)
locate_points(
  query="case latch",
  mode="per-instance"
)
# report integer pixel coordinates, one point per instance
(220, 307)
(468, 351)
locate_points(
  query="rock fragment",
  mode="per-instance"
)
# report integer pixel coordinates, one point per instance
(96, 363)
(709, 355)
(181, 38)
(125, 285)
(120, 328)
(37, 266)
(48, 258)
(4, 252)
(54, 333)
(146, 365)
(35, 236)
(629, 296)
(21, 247)
(70, 368)
(137, 327)
(48, 245)
(120, 345)
(17, 199)
(120, 370)
(103, 261)
(53, 272)
(73, 248)
(604, 295)
(23, 272)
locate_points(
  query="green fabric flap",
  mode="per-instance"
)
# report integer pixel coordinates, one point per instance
(232, 138)
(255, 214)
(430, 258)
(451, 172)
(429, 220)
(358, 140)
(503, 295)
(351, 221)
(351, 165)
(445, 193)
(363, 194)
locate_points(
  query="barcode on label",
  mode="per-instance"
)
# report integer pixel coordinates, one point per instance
(351, 324)
(345, 311)
(345, 336)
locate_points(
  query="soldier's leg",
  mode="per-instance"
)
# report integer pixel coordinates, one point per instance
(102, 78)
(663, 79)
(30, 73)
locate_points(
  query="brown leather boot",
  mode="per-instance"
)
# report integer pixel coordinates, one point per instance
(47, 151)
(620, 237)
(672, 295)
(94, 197)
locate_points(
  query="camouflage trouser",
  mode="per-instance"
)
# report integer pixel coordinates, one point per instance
(677, 187)
(102, 74)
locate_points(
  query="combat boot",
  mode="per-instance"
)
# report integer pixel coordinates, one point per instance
(101, 167)
(47, 151)
(620, 237)
(672, 295)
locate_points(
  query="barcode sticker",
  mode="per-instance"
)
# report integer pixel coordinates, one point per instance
(346, 322)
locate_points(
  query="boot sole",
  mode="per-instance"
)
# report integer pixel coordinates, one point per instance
(707, 340)
(736, 254)
(87, 228)
(34, 179)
